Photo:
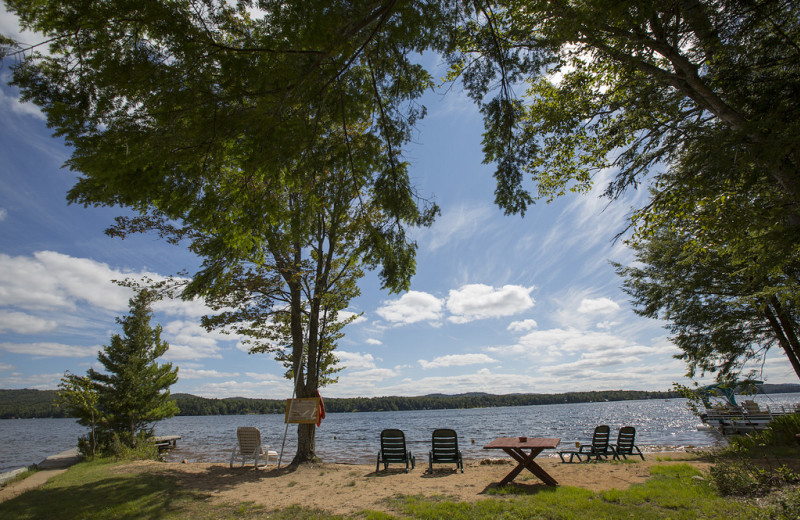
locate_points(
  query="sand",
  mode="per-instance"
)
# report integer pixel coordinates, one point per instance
(346, 489)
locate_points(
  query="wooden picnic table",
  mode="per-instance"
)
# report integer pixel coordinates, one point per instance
(524, 450)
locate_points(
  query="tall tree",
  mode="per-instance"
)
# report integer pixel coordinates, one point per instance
(224, 120)
(133, 391)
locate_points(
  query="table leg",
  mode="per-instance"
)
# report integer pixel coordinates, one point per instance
(525, 461)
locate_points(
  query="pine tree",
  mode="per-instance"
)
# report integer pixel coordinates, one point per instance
(134, 390)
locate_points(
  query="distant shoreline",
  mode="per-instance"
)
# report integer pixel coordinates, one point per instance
(29, 404)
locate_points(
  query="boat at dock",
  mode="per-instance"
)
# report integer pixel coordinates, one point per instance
(731, 418)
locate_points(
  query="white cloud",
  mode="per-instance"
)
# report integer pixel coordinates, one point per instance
(51, 280)
(558, 342)
(484, 380)
(607, 325)
(50, 349)
(412, 307)
(34, 381)
(12, 104)
(189, 340)
(191, 373)
(345, 315)
(194, 308)
(373, 375)
(3, 214)
(23, 323)
(372, 341)
(260, 389)
(4, 367)
(264, 377)
(456, 360)
(479, 301)
(598, 306)
(355, 360)
(522, 326)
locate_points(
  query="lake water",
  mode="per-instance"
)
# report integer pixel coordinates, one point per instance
(661, 425)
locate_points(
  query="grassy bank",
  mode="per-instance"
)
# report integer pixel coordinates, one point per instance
(106, 490)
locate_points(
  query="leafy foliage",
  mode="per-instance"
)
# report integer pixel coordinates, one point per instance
(81, 398)
(721, 316)
(630, 86)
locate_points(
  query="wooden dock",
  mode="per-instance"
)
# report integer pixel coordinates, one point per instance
(165, 442)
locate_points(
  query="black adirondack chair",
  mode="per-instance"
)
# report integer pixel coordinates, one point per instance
(625, 443)
(393, 450)
(599, 448)
(444, 449)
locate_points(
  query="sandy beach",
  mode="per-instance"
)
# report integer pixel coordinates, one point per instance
(345, 489)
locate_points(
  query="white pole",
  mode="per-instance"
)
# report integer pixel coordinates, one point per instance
(289, 412)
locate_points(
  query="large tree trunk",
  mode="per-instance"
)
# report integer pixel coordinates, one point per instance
(785, 332)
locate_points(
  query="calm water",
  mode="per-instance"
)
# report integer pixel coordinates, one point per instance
(353, 437)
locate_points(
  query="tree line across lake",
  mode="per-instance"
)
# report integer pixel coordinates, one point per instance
(24, 404)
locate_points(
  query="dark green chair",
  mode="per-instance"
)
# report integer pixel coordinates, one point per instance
(625, 444)
(599, 448)
(393, 450)
(444, 449)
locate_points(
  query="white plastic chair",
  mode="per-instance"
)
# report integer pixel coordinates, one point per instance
(249, 446)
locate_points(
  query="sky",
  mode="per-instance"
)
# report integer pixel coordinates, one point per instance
(499, 304)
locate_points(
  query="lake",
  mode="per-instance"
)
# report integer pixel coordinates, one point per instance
(661, 425)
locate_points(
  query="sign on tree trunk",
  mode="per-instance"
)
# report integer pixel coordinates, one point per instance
(302, 411)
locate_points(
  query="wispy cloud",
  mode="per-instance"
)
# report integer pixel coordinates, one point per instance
(23, 323)
(191, 373)
(456, 360)
(50, 349)
(460, 223)
(13, 104)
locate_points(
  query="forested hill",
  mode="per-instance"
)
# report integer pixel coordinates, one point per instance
(41, 403)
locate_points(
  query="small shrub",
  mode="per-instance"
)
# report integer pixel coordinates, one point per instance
(783, 506)
(743, 478)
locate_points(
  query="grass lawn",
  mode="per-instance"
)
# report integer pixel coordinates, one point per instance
(100, 490)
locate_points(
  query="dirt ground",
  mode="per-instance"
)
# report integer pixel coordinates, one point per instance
(345, 489)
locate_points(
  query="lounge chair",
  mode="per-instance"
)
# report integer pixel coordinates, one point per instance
(393, 450)
(249, 446)
(625, 445)
(444, 449)
(597, 449)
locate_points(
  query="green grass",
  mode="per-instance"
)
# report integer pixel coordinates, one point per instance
(100, 490)
(672, 493)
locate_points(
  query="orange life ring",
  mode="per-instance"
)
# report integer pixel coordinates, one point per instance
(321, 409)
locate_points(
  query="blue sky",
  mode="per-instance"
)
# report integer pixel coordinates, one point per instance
(499, 304)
